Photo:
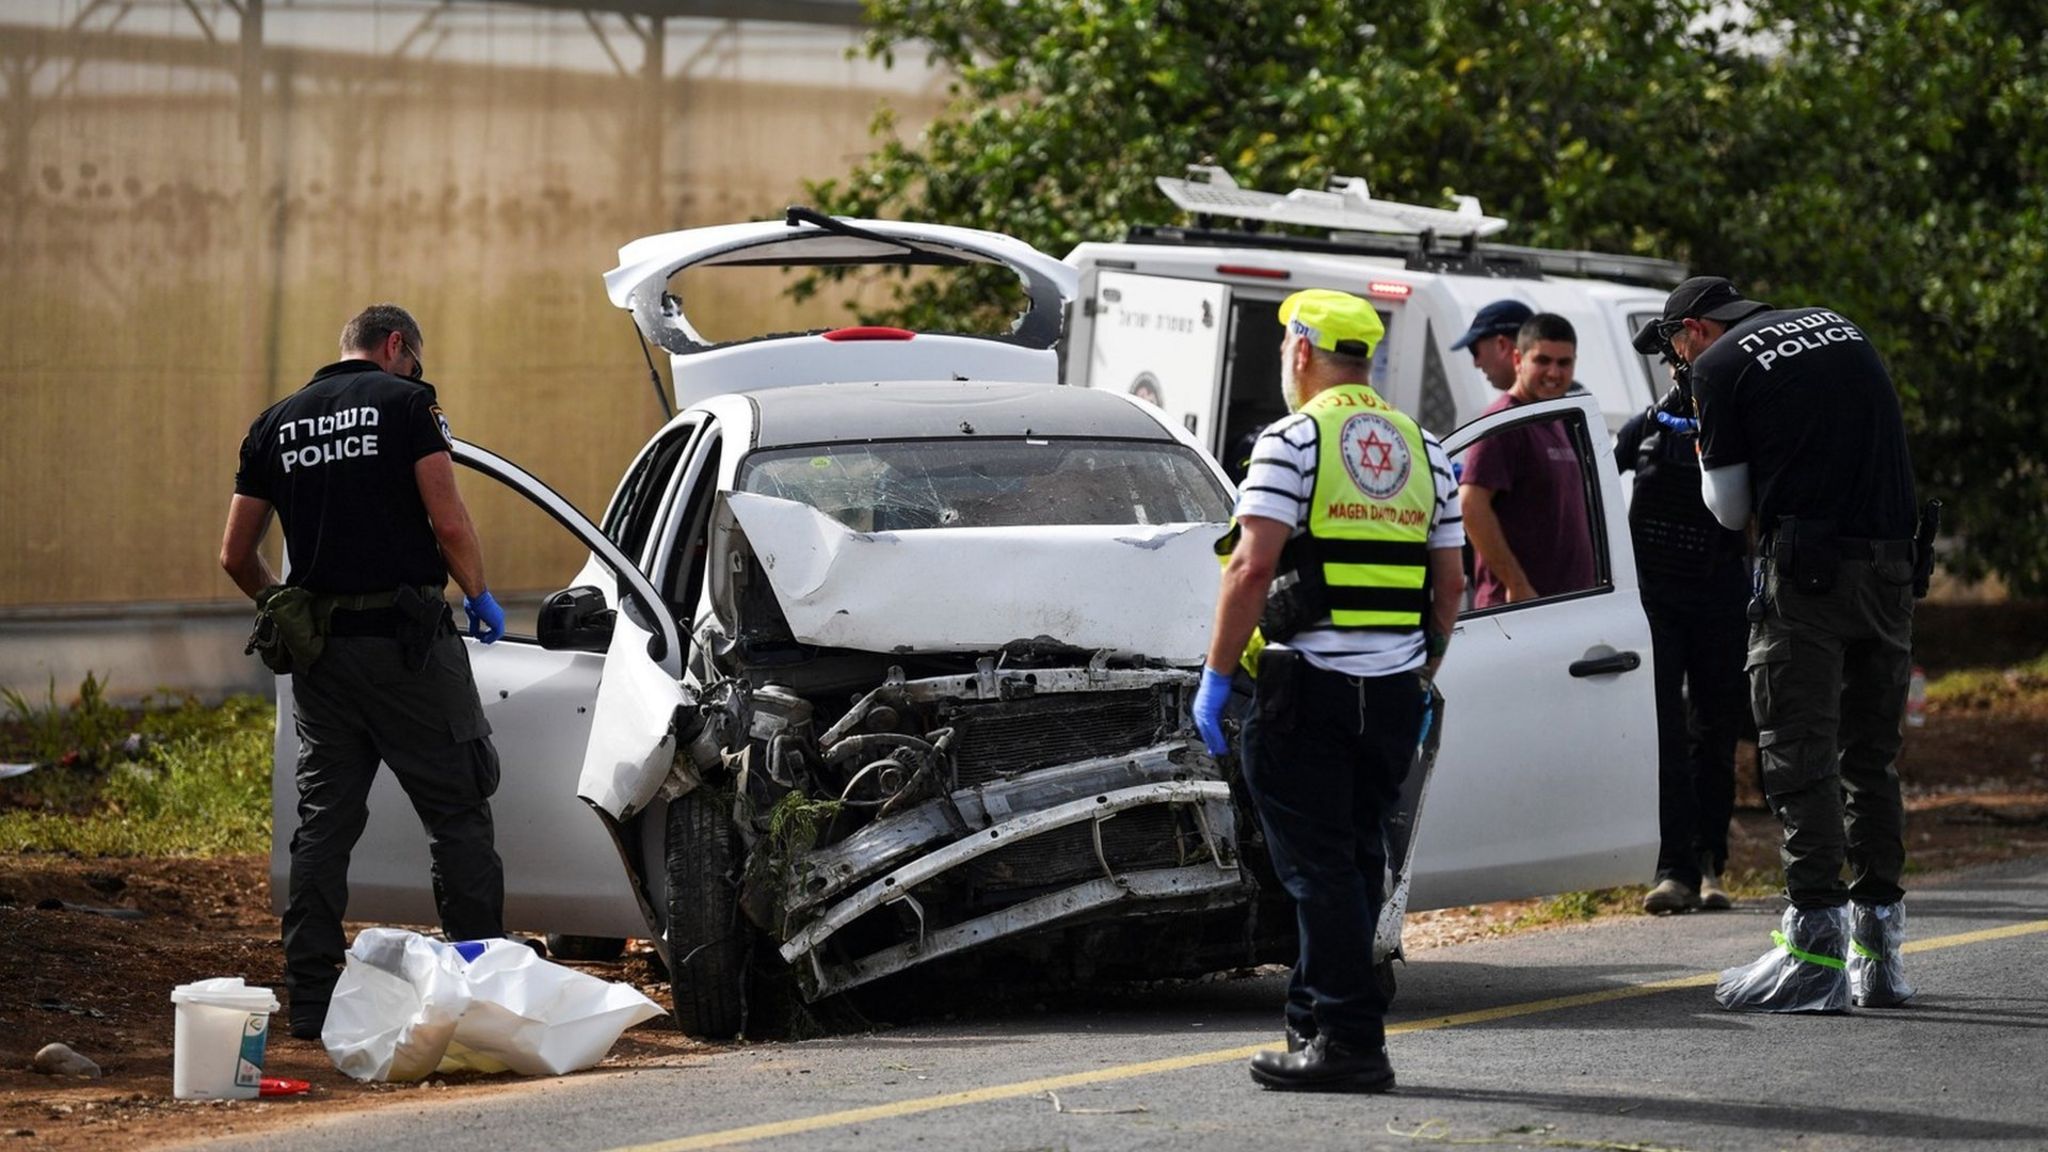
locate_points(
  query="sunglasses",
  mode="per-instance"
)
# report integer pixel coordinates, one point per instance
(1666, 329)
(419, 366)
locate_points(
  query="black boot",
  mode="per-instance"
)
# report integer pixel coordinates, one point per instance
(307, 1019)
(1323, 1066)
(1295, 1040)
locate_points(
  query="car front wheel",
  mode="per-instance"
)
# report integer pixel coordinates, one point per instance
(707, 936)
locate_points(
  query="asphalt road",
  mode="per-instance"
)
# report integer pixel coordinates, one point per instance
(1602, 1036)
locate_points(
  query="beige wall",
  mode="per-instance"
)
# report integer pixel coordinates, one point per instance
(154, 300)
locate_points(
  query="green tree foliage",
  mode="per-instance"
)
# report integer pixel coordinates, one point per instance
(1888, 158)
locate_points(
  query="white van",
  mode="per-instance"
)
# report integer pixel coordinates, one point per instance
(1187, 317)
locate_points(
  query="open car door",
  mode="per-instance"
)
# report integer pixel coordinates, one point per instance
(1546, 780)
(597, 722)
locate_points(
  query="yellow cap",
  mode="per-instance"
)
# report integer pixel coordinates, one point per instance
(1332, 320)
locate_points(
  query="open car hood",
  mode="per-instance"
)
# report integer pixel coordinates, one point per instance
(1139, 589)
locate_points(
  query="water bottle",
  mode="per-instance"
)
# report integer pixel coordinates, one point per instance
(1916, 699)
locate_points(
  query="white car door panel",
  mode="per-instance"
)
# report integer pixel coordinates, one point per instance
(1546, 780)
(563, 871)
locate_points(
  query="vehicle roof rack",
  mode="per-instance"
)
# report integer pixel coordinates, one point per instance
(1359, 225)
(1347, 205)
(1419, 253)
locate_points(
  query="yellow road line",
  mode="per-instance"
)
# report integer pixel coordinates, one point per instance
(851, 1116)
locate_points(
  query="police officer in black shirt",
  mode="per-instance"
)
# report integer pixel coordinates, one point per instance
(358, 468)
(1694, 584)
(1800, 430)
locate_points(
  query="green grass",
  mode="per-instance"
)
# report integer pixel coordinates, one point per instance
(1989, 688)
(182, 780)
(1575, 907)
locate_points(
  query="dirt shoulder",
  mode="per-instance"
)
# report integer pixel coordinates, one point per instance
(1976, 782)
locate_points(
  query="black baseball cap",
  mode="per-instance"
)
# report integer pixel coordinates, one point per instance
(1700, 298)
(1500, 318)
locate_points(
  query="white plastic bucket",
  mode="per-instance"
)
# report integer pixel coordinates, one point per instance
(218, 1050)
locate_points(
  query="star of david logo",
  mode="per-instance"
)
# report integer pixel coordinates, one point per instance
(1375, 455)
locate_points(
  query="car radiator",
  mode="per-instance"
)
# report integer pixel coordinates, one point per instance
(1016, 736)
(1004, 738)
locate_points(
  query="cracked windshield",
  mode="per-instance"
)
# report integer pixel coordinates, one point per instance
(992, 484)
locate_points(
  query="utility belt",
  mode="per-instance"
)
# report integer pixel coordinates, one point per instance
(293, 624)
(1807, 554)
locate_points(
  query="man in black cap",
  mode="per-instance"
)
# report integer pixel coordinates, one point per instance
(1800, 429)
(1492, 341)
(1694, 579)
(357, 466)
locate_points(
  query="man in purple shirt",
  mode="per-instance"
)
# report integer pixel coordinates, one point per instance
(1523, 489)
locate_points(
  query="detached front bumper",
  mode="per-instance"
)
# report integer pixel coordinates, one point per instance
(1017, 856)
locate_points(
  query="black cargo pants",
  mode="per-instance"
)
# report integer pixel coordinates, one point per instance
(357, 705)
(1699, 685)
(1828, 676)
(1324, 758)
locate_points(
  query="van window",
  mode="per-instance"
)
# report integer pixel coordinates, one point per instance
(1654, 369)
(1251, 376)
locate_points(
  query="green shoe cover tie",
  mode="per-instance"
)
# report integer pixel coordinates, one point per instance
(1778, 938)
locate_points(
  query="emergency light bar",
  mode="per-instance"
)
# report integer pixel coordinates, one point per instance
(1348, 205)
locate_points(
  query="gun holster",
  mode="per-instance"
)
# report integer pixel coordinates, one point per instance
(1806, 555)
(1923, 547)
(422, 620)
(1279, 692)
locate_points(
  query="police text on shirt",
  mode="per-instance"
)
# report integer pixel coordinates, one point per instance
(1791, 337)
(332, 437)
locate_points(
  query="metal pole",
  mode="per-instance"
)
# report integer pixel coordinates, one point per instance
(255, 363)
(250, 128)
(654, 70)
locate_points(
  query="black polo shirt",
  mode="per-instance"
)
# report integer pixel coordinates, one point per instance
(336, 460)
(1802, 397)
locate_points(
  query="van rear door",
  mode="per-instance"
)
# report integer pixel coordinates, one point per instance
(1157, 338)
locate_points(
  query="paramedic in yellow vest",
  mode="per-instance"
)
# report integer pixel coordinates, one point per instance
(1345, 556)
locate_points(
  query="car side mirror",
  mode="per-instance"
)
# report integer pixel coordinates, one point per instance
(576, 620)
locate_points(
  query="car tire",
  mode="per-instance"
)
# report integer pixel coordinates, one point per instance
(586, 949)
(707, 936)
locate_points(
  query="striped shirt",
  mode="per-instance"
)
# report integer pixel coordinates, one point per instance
(1278, 486)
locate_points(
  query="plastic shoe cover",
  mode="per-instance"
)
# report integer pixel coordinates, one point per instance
(1877, 967)
(1804, 973)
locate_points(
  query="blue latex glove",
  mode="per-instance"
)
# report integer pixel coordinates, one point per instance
(486, 619)
(1209, 701)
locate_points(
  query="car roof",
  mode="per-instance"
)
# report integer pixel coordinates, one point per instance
(928, 410)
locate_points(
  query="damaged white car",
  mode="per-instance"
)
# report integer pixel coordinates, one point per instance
(883, 656)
